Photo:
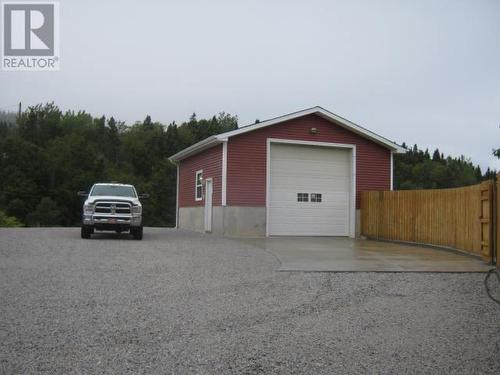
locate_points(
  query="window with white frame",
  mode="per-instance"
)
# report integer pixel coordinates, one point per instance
(199, 185)
(302, 197)
(316, 197)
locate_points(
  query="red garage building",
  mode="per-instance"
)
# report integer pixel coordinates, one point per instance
(298, 174)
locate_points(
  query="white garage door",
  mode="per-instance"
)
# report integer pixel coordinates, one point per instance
(309, 190)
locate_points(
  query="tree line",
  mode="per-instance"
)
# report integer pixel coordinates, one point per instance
(46, 156)
(418, 169)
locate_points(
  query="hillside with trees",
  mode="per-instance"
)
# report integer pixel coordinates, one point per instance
(46, 156)
(417, 169)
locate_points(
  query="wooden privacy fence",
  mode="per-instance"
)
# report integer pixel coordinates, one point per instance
(461, 218)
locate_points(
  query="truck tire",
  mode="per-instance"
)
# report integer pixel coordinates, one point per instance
(137, 233)
(86, 232)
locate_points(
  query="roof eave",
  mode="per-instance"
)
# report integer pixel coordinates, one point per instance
(194, 149)
(355, 128)
(220, 138)
(400, 150)
(327, 115)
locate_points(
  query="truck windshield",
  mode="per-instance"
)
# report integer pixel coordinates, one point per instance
(117, 190)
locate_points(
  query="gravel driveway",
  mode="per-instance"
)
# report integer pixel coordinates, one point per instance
(180, 302)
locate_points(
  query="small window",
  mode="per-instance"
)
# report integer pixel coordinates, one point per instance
(316, 197)
(302, 197)
(199, 186)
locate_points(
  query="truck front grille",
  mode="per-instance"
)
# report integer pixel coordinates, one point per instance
(112, 208)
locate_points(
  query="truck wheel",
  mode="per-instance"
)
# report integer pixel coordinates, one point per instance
(137, 233)
(86, 231)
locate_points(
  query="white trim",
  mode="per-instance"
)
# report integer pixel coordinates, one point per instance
(224, 173)
(268, 182)
(177, 200)
(352, 200)
(392, 170)
(311, 143)
(196, 185)
(327, 115)
(352, 203)
(194, 149)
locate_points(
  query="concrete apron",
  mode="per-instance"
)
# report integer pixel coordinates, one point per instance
(342, 254)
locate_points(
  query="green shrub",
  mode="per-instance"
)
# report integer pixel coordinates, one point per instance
(9, 221)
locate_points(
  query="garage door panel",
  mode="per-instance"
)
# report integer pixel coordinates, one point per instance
(309, 230)
(317, 226)
(292, 213)
(287, 199)
(330, 170)
(325, 164)
(304, 185)
(309, 169)
(338, 219)
(296, 211)
(320, 175)
(303, 152)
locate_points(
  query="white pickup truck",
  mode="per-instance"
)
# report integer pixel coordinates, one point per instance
(112, 207)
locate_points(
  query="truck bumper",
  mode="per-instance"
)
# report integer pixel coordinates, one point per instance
(107, 222)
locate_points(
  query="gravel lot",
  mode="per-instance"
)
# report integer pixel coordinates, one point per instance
(179, 302)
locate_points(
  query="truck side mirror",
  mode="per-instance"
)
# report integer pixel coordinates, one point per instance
(143, 196)
(83, 194)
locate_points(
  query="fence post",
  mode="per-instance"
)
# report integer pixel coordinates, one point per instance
(496, 220)
(486, 220)
(492, 226)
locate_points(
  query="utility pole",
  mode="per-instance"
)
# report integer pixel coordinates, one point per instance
(20, 110)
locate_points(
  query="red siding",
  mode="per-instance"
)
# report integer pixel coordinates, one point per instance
(246, 168)
(211, 162)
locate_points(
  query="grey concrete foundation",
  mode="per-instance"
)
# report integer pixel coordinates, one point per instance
(244, 221)
(192, 218)
(234, 221)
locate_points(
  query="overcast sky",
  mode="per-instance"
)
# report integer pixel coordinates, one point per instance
(425, 72)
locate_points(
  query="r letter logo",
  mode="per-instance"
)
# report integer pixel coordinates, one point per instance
(30, 36)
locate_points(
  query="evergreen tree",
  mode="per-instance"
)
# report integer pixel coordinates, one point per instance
(416, 170)
(436, 156)
(47, 156)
